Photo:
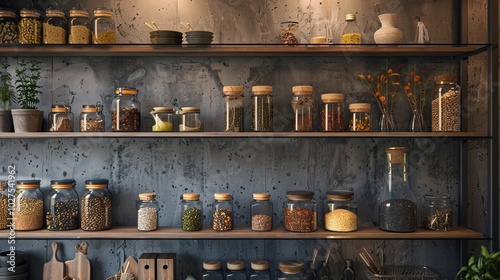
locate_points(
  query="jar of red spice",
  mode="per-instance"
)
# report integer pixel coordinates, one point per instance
(332, 113)
(300, 211)
(302, 104)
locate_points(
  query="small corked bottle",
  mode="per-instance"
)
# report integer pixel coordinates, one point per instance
(62, 204)
(262, 108)
(233, 118)
(147, 212)
(222, 219)
(302, 105)
(96, 206)
(300, 211)
(191, 212)
(261, 210)
(332, 112)
(28, 209)
(360, 117)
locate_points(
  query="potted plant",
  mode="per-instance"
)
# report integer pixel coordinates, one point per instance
(6, 97)
(28, 118)
(486, 266)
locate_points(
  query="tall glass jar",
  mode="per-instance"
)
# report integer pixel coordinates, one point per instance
(92, 118)
(212, 270)
(360, 117)
(302, 105)
(291, 270)
(61, 118)
(262, 108)
(261, 210)
(300, 211)
(96, 206)
(28, 209)
(445, 104)
(30, 27)
(234, 111)
(79, 26)
(222, 217)
(164, 119)
(398, 208)
(103, 26)
(341, 212)
(351, 34)
(191, 212)
(438, 213)
(126, 111)
(332, 113)
(236, 270)
(147, 212)
(260, 270)
(4, 204)
(288, 32)
(190, 119)
(9, 29)
(62, 206)
(54, 27)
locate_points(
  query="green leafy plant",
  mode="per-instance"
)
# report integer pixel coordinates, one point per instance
(7, 95)
(486, 266)
(27, 76)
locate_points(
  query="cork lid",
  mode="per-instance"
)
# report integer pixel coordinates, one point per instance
(6, 13)
(63, 184)
(350, 17)
(445, 79)
(59, 108)
(126, 91)
(262, 90)
(54, 13)
(340, 195)
(397, 155)
(261, 196)
(259, 265)
(96, 184)
(235, 265)
(28, 184)
(332, 97)
(78, 12)
(103, 12)
(291, 267)
(162, 110)
(147, 196)
(89, 109)
(300, 195)
(360, 107)
(191, 196)
(232, 90)
(211, 265)
(29, 13)
(302, 90)
(222, 196)
(186, 110)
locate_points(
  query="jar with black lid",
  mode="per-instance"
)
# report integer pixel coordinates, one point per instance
(341, 213)
(96, 206)
(55, 27)
(191, 212)
(30, 27)
(262, 113)
(212, 270)
(261, 210)
(222, 219)
(9, 29)
(147, 212)
(79, 26)
(302, 105)
(4, 204)
(28, 210)
(291, 270)
(300, 211)
(233, 118)
(92, 118)
(62, 206)
(60, 119)
(126, 111)
(103, 26)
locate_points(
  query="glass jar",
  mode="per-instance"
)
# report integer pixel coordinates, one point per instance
(62, 206)
(96, 206)
(234, 113)
(351, 34)
(9, 29)
(438, 212)
(191, 212)
(147, 212)
(302, 104)
(332, 113)
(61, 119)
(28, 209)
(4, 204)
(398, 208)
(262, 111)
(164, 119)
(348, 273)
(300, 211)
(103, 27)
(310, 270)
(261, 210)
(288, 32)
(260, 270)
(30, 27)
(54, 27)
(236, 270)
(319, 30)
(222, 219)
(79, 26)
(341, 212)
(291, 270)
(190, 119)
(92, 118)
(445, 104)
(360, 117)
(212, 270)
(126, 111)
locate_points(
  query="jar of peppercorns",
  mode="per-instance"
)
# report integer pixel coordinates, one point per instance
(234, 112)
(262, 113)
(332, 113)
(191, 212)
(222, 217)
(261, 211)
(79, 26)
(60, 119)
(302, 104)
(147, 212)
(360, 117)
(28, 208)
(103, 26)
(91, 118)
(300, 211)
(62, 206)
(54, 27)
(126, 110)
(4, 204)
(341, 212)
(8, 27)
(30, 27)
(96, 206)
(190, 119)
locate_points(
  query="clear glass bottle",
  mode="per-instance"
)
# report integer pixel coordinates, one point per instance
(300, 211)
(55, 27)
(147, 212)
(79, 26)
(212, 270)
(126, 111)
(236, 270)
(310, 270)
(233, 119)
(96, 206)
(103, 27)
(438, 212)
(332, 113)
(62, 206)
(164, 119)
(61, 118)
(302, 104)
(324, 272)
(92, 118)
(398, 208)
(291, 270)
(191, 212)
(351, 34)
(262, 108)
(341, 212)
(190, 119)
(445, 104)
(260, 270)
(360, 117)
(288, 32)
(222, 217)
(348, 273)
(319, 30)
(28, 209)
(30, 27)
(261, 210)
(4, 204)
(9, 29)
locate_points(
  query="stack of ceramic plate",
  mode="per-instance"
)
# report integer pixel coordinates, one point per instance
(166, 37)
(199, 37)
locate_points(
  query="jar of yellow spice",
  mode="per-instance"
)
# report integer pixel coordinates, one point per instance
(103, 27)
(351, 35)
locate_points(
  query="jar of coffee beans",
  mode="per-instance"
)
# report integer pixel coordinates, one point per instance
(190, 119)
(79, 26)
(300, 211)
(103, 26)
(8, 27)
(360, 117)
(288, 32)
(28, 208)
(262, 111)
(62, 206)
(341, 212)
(191, 212)
(30, 27)
(302, 104)
(96, 206)
(438, 212)
(147, 212)
(4, 204)
(55, 27)
(445, 103)
(332, 112)
(222, 217)
(92, 118)
(234, 113)
(126, 111)
(61, 118)
(164, 118)
(261, 211)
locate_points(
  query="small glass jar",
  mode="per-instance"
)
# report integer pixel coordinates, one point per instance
(191, 212)
(92, 118)
(147, 212)
(126, 111)
(62, 206)
(79, 27)
(302, 104)
(291, 270)
(438, 213)
(262, 108)
(234, 113)
(190, 119)
(351, 34)
(30, 27)
(288, 32)
(261, 210)
(332, 113)
(28, 209)
(96, 206)
(445, 104)
(212, 270)
(236, 270)
(9, 30)
(103, 27)
(61, 119)
(222, 217)
(300, 211)
(4, 204)
(164, 119)
(341, 212)
(260, 270)
(55, 27)
(360, 117)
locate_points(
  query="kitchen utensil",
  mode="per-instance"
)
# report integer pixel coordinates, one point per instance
(54, 269)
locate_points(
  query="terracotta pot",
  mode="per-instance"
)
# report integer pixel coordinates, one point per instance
(27, 120)
(6, 124)
(388, 33)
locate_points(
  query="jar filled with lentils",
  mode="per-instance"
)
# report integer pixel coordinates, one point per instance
(62, 206)
(341, 212)
(30, 27)
(222, 218)
(8, 27)
(300, 211)
(96, 206)
(4, 204)
(92, 118)
(332, 112)
(55, 27)
(191, 212)
(103, 26)
(234, 113)
(261, 210)
(302, 105)
(147, 212)
(126, 111)
(60, 119)
(28, 210)
(79, 27)
(262, 108)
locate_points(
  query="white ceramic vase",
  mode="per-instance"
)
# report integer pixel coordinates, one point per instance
(388, 33)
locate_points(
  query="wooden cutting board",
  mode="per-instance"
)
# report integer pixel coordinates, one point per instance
(79, 268)
(133, 267)
(54, 269)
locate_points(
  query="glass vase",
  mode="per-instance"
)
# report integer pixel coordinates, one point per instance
(387, 123)
(417, 122)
